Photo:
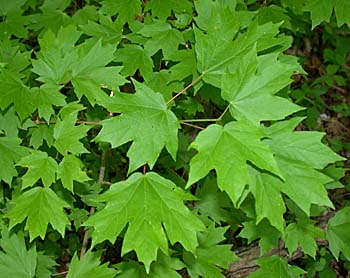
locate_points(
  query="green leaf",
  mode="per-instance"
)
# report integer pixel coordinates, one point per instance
(164, 266)
(40, 166)
(136, 202)
(251, 87)
(45, 266)
(161, 37)
(187, 65)
(227, 150)
(40, 206)
(14, 91)
(276, 267)
(162, 9)
(89, 266)
(67, 135)
(127, 10)
(69, 170)
(11, 152)
(209, 255)
(89, 73)
(41, 133)
(134, 57)
(269, 236)
(337, 233)
(9, 123)
(45, 98)
(303, 234)
(146, 121)
(16, 260)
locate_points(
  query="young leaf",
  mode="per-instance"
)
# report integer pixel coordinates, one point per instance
(69, 170)
(11, 152)
(227, 150)
(276, 267)
(89, 266)
(251, 87)
(67, 135)
(146, 121)
(16, 260)
(161, 37)
(209, 255)
(337, 233)
(136, 202)
(40, 165)
(40, 206)
(303, 234)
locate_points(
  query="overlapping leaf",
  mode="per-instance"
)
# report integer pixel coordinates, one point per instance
(162, 9)
(227, 150)
(146, 121)
(251, 87)
(40, 206)
(154, 211)
(127, 10)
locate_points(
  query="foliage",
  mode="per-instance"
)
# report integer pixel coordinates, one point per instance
(154, 138)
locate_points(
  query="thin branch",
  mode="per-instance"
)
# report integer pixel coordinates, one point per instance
(93, 209)
(38, 122)
(223, 114)
(198, 120)
(60, 273)
(194, 82)
(195, 126)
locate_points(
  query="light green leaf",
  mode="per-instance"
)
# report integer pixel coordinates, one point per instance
(251, 87)
(134, 57)
(45, 266)
(89, 266)
(45, 97)
(162, 9)
(146, 121)
(16, 260)
(67, 135)
(303, 234)
(12, 23)
(41, 133)
(11, 152)
(227, 150)
(337, 233)
(161, 37)
(136, 202)
(9, 123)
(209, 255)
(127, 10)
(40, 206)
(276, 267)
(39, 165)
(69, 170)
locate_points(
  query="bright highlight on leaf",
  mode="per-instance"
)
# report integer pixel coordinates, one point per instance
(153, 208)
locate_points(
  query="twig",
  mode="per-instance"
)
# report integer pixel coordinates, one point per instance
(93, 209)
(60, 273)
(195, 126)
(38, 122)
(198, 120)
(194, 82)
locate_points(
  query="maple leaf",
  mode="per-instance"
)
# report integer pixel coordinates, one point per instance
(162, 9)
(67, 135)
(127, 10)
(9, 123)
(89, 266)
(12, 56)
(41, 133)
(303, 233)
(45, 266)
(11, 152)
(164, 266)
(14, 91)
(276, 267)
(161, 37)
(136, 202)
(134, 57)
(145, 120)
(45, 97)
(69, 170)
(40, 206)
(337, 233)
(40, 165)
(227, 150)
(209, 255)
(215, 55)
(251, 87)
(187, 65)
(16, 260)
(89, 73)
